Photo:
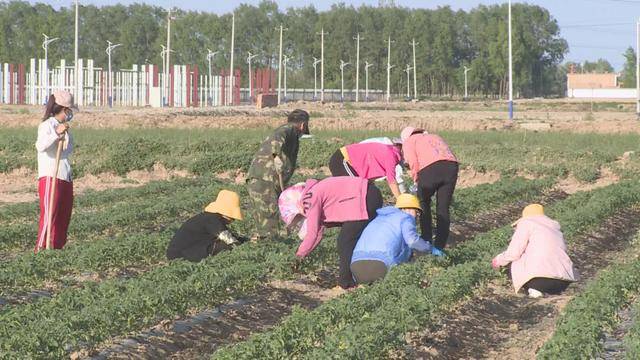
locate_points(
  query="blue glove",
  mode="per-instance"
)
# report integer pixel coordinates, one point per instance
(437, 252)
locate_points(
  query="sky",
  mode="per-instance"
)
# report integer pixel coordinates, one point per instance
(593, 28)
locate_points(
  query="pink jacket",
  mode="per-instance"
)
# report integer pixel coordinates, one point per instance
(374, 160)
(537, 249)
(332, 200)
(422, 150)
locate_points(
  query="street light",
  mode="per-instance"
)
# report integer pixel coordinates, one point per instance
(108, 51)
(322, 34)
(510, 69)
(285, 60)
(315, 77)
(357, 38)
(367, 65)
(45, 46)
(210, 56)
(466, 93)
(249, 58)
(342, 66)
(75, 63)
(408, 71)
(282, 29)
(389, 67)
(415, 77)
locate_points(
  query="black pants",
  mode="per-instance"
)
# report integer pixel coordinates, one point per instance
(339, 167)
(547, 285)
(440, 179)
(350, 232)
(368, 271)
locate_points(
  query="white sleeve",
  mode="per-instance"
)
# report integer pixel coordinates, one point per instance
(46, 137)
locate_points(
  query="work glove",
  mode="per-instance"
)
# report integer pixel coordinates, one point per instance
(278, 164)
(437, 252)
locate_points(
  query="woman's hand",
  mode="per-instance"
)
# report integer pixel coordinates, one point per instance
(62, 128)
(494, 264)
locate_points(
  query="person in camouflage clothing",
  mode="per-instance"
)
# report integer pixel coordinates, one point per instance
(271, 169)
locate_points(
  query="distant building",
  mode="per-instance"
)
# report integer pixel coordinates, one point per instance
(597, 86)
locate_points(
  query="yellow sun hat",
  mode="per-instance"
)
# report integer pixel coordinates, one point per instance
(529, 211)
(408, 201)
(227, 203)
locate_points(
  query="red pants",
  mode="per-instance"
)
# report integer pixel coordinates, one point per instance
(62, 205)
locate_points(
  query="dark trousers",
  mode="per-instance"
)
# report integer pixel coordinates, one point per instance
(440, 179)
(368, 271)
(547, 285)
(350, 232)
(339, 167)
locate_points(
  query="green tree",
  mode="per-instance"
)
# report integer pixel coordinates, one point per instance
(628, 79)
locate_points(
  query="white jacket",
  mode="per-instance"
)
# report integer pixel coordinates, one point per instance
(47, 146)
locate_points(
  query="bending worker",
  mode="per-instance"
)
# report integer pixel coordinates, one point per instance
(345, 202)
(370, 161)
(388, 240)
(399, 169)
(270, 172)
(434, 169)
(538, 255)
(207, 233)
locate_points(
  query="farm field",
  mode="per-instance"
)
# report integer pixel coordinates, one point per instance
(112, 294)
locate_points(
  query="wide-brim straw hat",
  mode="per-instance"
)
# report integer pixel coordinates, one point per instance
(408, 131)
(227, 204)
(408, 201)
(65, 98)
(290, 202)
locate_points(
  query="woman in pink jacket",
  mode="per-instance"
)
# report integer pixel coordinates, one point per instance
(434, 169)
(371, 160)
(345, 202)
(537, 254)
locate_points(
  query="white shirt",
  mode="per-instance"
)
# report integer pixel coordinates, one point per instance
(47, 147)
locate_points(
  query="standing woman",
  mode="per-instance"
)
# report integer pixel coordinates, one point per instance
(434, 169)
(53, 130)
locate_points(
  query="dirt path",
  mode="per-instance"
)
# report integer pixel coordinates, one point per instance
(498, 324)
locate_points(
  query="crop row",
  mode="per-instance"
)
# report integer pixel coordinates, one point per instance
(632, 340)
(210, 151)
(92, 313)
(371, 321)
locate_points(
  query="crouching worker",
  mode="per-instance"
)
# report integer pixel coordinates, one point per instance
(388, 240)
(343, 201)
(207, 234)
(537, 254)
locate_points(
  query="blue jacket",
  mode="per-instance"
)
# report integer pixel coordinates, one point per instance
(389, 238)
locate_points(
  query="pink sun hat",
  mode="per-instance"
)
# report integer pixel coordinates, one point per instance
(408, 131)
(290, 203)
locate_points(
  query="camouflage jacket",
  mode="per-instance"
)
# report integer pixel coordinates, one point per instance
(283, 143)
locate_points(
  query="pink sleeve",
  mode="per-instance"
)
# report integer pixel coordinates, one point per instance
(314, 230)
(517, 246)
(411, 158)
(390, 167)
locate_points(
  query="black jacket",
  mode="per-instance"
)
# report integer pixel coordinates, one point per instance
(198, 238)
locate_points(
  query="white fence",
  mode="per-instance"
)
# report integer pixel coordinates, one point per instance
(142, 85)
(615, 93)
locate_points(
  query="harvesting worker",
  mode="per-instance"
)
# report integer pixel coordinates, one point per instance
(537, 254)
(388, 240)
(370, 161)
(271, 169)
(434, 169)
(345, 202)
(207, 233)
(55, 184)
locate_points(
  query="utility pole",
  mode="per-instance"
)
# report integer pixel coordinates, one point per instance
(285, 60)
(342, 66)
(357, 38)
(168, 61)
(282, 29)
(210, 56)
(249, 58)
(638, 69)
(109, 49)
(315, 78)
(322, 33)
(233, 40)
(408, 71)
(415, 76)
(389, 67)
(75, 63)
(45, 46)
(510, 69)
(367, 65)
(466, 93)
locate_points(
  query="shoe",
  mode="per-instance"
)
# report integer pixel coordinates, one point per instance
(438, 252)
(533, 293)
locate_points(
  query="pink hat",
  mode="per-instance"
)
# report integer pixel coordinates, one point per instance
(290, 203)
(408, 131)
(64, 98)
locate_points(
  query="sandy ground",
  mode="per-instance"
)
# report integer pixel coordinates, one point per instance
(434, 116)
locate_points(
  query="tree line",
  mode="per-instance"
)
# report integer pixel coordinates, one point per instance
(447, 40)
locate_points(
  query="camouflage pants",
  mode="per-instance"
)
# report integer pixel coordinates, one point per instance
(263, 197)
